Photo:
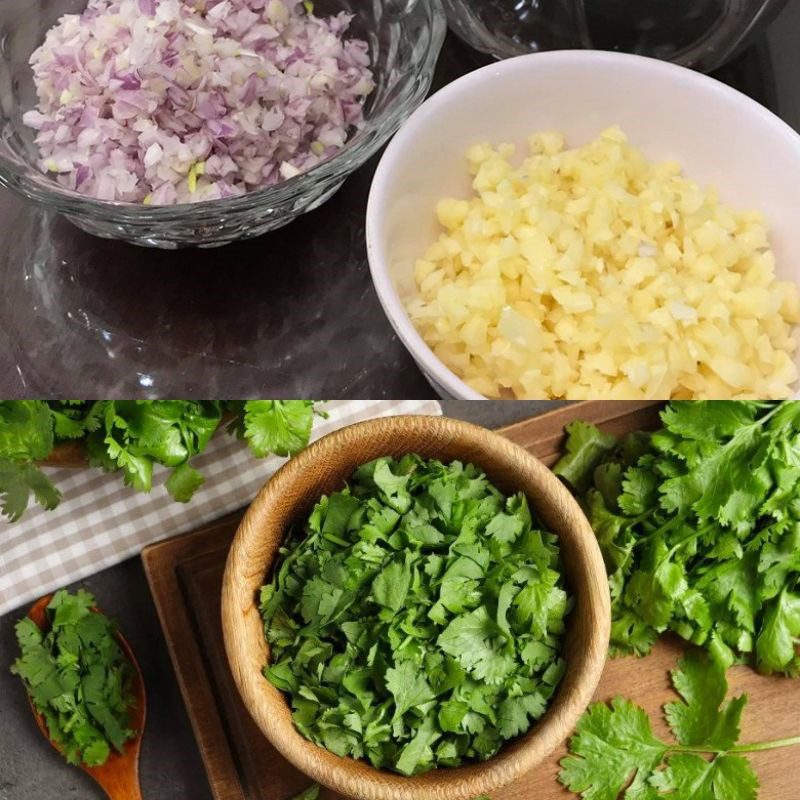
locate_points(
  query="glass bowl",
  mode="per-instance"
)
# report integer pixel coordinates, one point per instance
(701, 34)
(404, 38)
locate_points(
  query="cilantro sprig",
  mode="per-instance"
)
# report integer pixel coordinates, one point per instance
(78, 678)
(416, 619)
(26, 436)
(615, 753)
(311, 793)
(134, 437)
(699, 524)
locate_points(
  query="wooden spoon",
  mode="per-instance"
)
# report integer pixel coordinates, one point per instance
(119, 776)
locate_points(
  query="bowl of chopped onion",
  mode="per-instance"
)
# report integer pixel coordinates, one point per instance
(599, 225)
(174, 123)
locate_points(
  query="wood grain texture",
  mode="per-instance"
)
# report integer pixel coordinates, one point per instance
(323, 467)
(71, 455)
(162, 564)
(186, 575)
(119, 776)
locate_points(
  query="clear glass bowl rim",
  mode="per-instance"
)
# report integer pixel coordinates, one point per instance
(355, 152)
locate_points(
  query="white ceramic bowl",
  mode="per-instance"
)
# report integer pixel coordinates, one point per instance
(720, 137)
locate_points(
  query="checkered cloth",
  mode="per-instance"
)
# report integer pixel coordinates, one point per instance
(101, 522)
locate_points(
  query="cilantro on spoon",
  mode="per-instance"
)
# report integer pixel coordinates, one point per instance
(416, 619)
(78, 678)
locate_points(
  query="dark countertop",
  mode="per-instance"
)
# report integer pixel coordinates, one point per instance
(171, 768)
(290, 314)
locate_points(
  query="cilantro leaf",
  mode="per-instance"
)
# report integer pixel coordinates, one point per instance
(727, 484)
(20, 480)
(26, 430)
(282, 427)
(614, 747)
(472, 640)
(183, 482)
(514, 714)
(702, 719)
(586, 447)
(70, 421)
(726, 777)
(391, 585)
(708, 419)
(776, 646)
(779, 561)
(417, 754)
(639, 491)
(408, 686)
(26, 436)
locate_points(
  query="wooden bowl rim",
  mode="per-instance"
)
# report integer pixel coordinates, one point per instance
(247, 650)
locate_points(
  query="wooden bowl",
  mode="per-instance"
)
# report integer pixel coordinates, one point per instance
(323, 467)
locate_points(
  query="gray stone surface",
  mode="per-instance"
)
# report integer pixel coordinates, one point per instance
(171, 768)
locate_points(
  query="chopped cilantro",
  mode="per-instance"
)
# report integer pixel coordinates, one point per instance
(416, 620)
(78, 678)
(699, 524)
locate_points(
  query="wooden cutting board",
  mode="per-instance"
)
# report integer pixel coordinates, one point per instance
(185, 576)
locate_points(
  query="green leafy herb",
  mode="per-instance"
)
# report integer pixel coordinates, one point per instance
(26, 436)
(416, 620)
(135, 436)
(78, 678)
(312, 793)
(699, 524)
(615, 753)
(282, 427)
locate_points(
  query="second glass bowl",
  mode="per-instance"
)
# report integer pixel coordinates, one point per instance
(404, 38)
(701, 34)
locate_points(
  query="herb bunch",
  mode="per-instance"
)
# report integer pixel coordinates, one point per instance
(78, 678)
(416, 620)
(699, 524)
(135, 436)
(616, 754)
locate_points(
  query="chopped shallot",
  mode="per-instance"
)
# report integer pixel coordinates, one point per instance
(176, 101)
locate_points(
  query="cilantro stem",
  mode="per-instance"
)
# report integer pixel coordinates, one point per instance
(335, 539)
(762, 420)
(771, 745)
(671, 522)
(695, 534)
(752, 747)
